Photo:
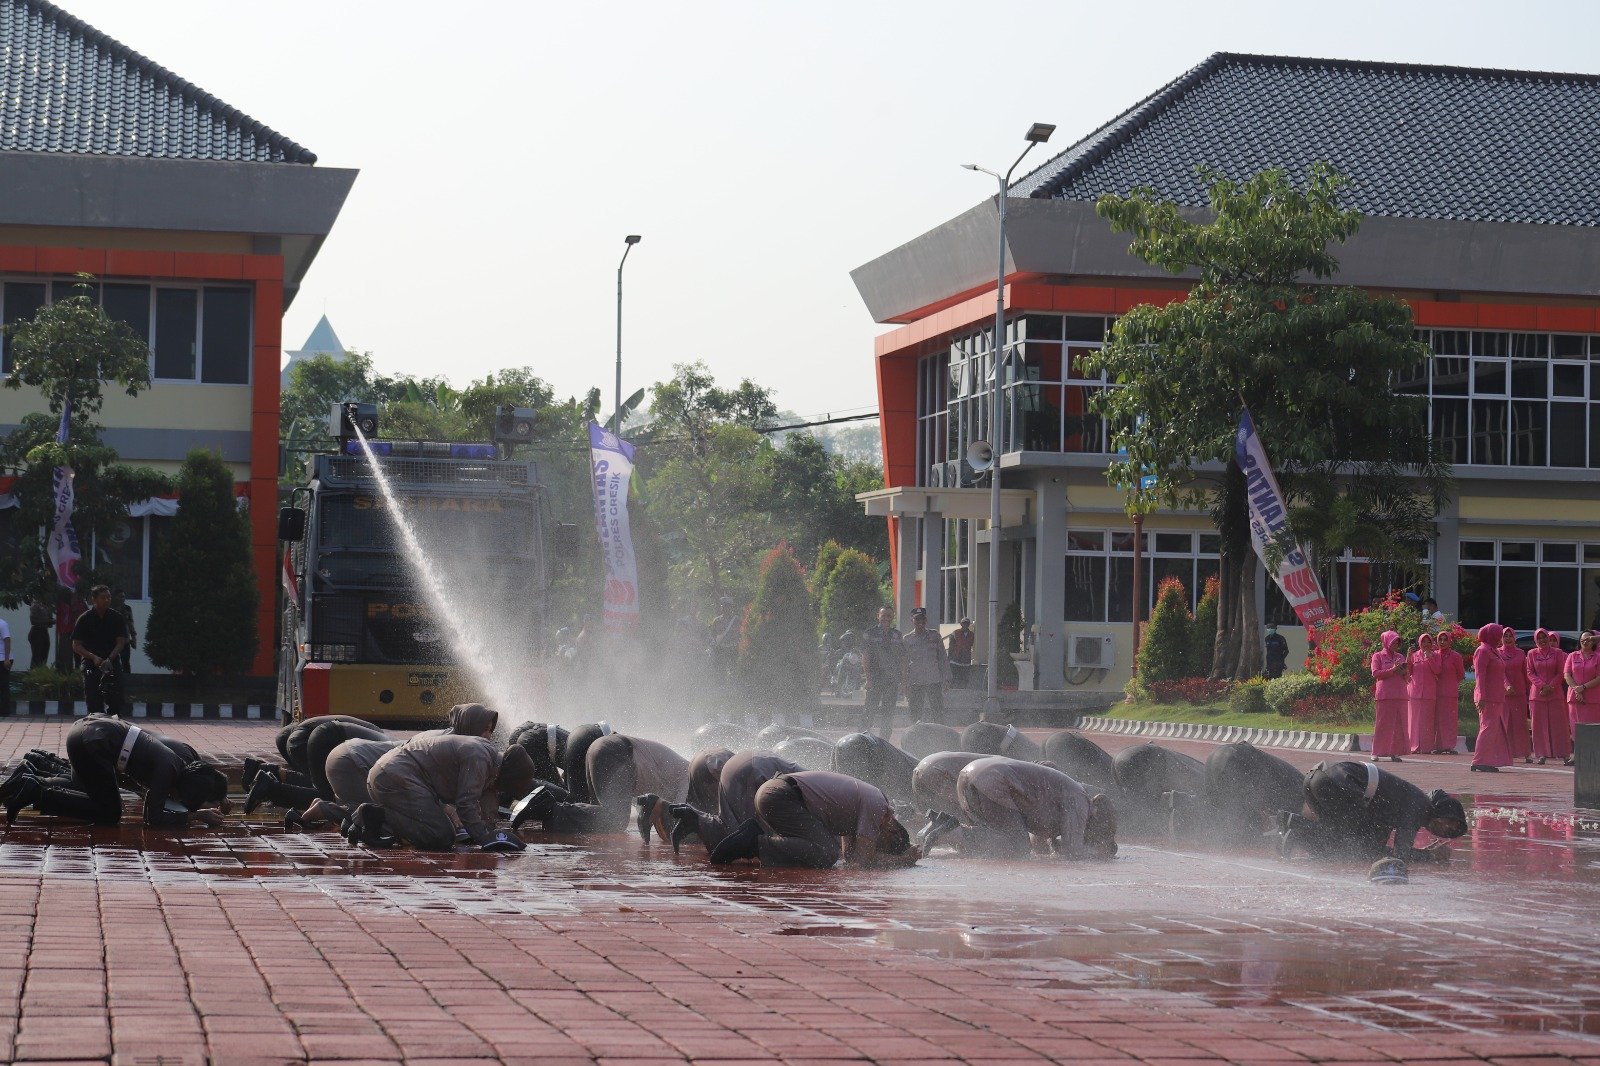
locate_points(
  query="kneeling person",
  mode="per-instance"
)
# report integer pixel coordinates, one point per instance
(800, 819)
(742, 776)
(617, 769)
(1021, 803)
(1357, 807)
(413, 784)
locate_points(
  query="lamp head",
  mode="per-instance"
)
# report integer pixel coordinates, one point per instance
(970, 166)
(632, 238)
(1039, 132)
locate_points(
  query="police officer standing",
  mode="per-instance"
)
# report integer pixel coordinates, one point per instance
(883, 650)
(927, 669)
(98, 638)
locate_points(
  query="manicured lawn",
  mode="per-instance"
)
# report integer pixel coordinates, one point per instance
(1218, 714)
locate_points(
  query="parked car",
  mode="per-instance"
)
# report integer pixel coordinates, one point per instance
(1525, 641)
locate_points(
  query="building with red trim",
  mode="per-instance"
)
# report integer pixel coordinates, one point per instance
(198, 223)
(1481, 191)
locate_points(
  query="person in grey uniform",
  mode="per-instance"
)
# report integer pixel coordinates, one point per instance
(877, 762)
(346, 769)
(933, 784)
(177, 783)
(992, 738)
(1084, 761)
(621, 771)
(705, 777)
(1026, 806)
(735, 800)
(412, 785)
(320, 737)
(922, 739)
(801, 818)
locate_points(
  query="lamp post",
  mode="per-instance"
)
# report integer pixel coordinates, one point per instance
(616, 417)
(1038, 133)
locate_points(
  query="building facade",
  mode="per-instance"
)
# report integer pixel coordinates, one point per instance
(197, 224)
(1481, 191)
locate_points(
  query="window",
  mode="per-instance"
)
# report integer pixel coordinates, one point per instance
(22, 300)
(1358, 583)
(1528, 584)
(123, 554)
(956, 574)
(177, 318)
(225, 339)
(1099, 586)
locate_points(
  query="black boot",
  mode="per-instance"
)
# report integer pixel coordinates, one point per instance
(941, 824)
(743, 843)
(20, 792)
(262, 790)
(685, 824)
(535, 806)
(292, 821)
(47, 764)
(367, 829)
(251, 768)
(645, 814)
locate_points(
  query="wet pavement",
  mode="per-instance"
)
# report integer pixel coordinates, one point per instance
(253, 944)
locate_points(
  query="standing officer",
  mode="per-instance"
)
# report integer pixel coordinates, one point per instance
(884, 651)
(98, 638)
(927, 669)
(961, 645)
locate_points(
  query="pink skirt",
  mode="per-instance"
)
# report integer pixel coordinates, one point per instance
(1389, 729)
(1492, 747)
(1422, 723)
(1517, 731)
(1447, 725)
(1552, 729)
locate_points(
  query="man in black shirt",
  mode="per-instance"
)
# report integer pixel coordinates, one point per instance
(98, 638)
(1359, 808)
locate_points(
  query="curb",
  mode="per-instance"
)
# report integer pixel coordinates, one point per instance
(1305, 740)
(202, 711)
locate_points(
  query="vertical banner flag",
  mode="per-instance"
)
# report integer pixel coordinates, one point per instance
(1268, 517)
(63, 542)
(611, 465)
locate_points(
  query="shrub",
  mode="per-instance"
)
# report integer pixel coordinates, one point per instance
(827, 556)
(1281, 693)
(777, 646)
(1134, 691)
(1164, 653)
(1009, 639)
(1203, 639)
(1331, 709)
(850, 594)
(1196, 691)
(48, 683)
(1345, 645)
(1249, 697)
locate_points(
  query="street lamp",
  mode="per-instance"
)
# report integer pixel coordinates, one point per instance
(1038, 133)
(616, 418)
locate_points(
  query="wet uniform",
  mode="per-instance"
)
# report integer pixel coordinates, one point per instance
(347, 768)
(1358, 806)
(618, 768)
(1246, 789)
(1083, 760)
(1012, 799)
(922, 739)
(991, 738)
(735, 803)
(574, 765)
(705, 777)
(803, 815)
(1149, 774)
(100, 749)
(415, 781)
(809, 753)
(877, 762)
(933, 782)
(546, 745)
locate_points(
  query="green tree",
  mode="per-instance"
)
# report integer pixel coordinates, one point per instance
(316, 384)
(814, 497)
(1203, 638)
(1263, 328)
(203, 588)
(851, 596)
(827, 555)
(70, 351)
(777, 645)
(1164, 652)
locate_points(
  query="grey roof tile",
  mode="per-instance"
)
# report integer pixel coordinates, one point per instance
(1415, 141)
(67, 87)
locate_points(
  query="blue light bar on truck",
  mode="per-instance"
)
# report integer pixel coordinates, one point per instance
(426, 449)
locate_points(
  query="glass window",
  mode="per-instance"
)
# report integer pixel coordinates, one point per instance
(1518, 551)
(1567, 425)
(1450, 429)
(65, 290)
(1567, 379)
(1519, 598)
(120, 554)
(1529, 425)
(1086, 588)
(1489, 344)
(1162, 568)
(130, 305)
(1530, 346)
(1451, 342)
(1475, 591)
(1568, 346)
(1210, 544)
(1528, 379)
(1559, 553)
(1478, 549)
(225, 340)
(1558, 598)
(1122, 541)
(1119, 594)
(1489, 438)
(1450, 376)
(176, 318)
(1488, 377)
(1077, 328)
(1084, 540)
(23, 299)
(1043, 327)
(1175, 543)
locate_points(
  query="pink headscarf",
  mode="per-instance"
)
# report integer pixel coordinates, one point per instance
(1391, 641)
(1540, 636)
(1425, 640)
(1490, 634)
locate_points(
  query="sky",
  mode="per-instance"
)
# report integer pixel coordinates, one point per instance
(762, 150)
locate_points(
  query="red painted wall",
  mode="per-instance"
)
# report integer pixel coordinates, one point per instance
(265, 273)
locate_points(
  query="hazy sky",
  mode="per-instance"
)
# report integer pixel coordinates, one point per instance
(762, 150)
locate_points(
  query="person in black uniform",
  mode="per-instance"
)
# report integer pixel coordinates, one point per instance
(98, 638)
(321, 736)
(1248, 791)
(177, 783)
(546, 745)
(1357, 807)
(1277, 650)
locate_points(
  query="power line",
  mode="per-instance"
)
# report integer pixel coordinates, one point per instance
(819, 422)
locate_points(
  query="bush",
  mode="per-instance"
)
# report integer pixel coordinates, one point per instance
(48, 683)
(1196, 691)
(777, 646)
(850, 594)
(1165, 650)
(203, 588)
(1331, 709)
(1134, 691)
(1249, 697)
(1009, 639)
(1203, 639)
(827, 556)
(1281, 693)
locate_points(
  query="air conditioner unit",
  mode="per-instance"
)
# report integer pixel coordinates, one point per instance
(1093, 651)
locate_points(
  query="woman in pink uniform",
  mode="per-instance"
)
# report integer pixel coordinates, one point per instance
(1452, 668)
(1552, 729)
(1516, 696)
(1422, 697)
(1389, 693)
(1582, 673)
(1492, 750)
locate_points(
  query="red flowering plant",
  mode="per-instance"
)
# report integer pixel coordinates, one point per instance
(1197, 691)
(1344, 647)
(1336, 709)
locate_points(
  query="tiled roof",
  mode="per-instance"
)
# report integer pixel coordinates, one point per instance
(67, 87)
(1415, 141)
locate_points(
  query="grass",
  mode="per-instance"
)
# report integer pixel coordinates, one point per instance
(1219, 714)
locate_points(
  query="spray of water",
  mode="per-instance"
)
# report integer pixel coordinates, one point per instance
(466, 637)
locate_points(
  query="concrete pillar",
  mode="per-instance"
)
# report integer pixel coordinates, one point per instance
(1447, 560)
(905, 593)
(933, 534)
(1049, 585)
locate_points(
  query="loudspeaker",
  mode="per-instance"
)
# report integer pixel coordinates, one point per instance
(980, 456)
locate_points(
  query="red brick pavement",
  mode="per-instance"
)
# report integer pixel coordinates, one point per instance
(253, 945)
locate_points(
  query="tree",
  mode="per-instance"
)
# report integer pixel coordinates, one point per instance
(777, 644)
(1164, 651)
(813, 497)
(203, 588)
(827, 555)
(1203, 638)
(851, 596)
(70, 351)
(1314, 363)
